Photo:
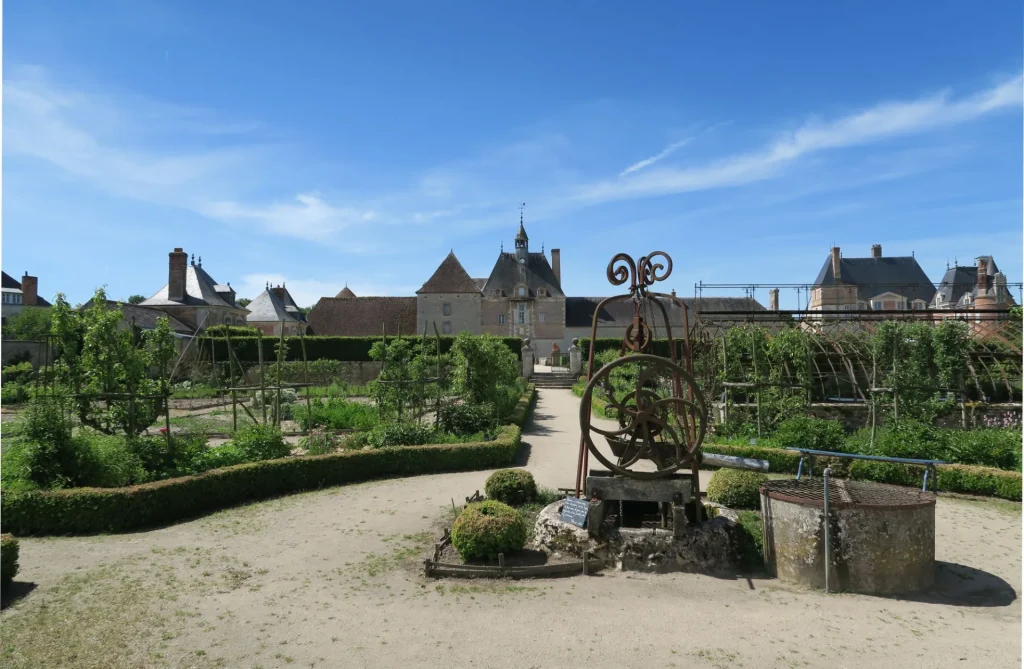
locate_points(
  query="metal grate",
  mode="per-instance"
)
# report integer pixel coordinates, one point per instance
(847, 494)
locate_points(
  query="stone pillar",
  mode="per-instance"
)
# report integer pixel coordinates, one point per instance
(527, 359)
(575, 358)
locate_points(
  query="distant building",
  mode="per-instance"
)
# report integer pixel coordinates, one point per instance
(980, 286)
(875, 283)
(275, 311)
(194, 297)
(144, 318)
(363, 316)
(20, 294)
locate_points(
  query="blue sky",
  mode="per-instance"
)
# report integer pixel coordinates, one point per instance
(322, 143)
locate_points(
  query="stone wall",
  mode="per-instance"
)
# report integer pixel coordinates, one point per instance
(12, 349)
(463, 312)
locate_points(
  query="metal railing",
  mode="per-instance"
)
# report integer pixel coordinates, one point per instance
(929, 465)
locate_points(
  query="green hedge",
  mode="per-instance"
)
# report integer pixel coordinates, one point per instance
(347, 349)
(8, 559)
(92, 510)
(524, 408)
(966, 479)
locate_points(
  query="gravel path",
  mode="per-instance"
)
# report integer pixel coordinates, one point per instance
(333, 579)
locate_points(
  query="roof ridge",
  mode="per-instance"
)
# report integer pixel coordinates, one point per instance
(450, 277)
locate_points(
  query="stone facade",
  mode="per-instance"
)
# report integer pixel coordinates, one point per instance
(450, 313)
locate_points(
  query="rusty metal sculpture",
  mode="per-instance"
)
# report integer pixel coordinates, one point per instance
(662, 416)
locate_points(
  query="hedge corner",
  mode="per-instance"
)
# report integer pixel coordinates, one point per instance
(8, 559)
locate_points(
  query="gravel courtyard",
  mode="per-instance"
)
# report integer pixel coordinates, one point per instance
(334, 579)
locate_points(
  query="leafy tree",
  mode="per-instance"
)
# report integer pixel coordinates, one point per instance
(244, 302)
(136, 299)
(32, 323)
(486, 371)
(405, 383)
(103, 364)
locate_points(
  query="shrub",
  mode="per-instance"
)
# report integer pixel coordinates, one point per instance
(998, 447)
(400, 434)
(487, 528)
(261, 442)
(90, 510)
(736, 488)
(465, 418)
(52, 458)
(218, 457)
(809, 432)
(8, 559)
(23, 372)
(13, 393)
(337, 414)
(514, 487)
(750, 540)
(349, 349)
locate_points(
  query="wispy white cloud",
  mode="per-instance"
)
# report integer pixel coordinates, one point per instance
(650, 160)
(883, 121)
(309, 216)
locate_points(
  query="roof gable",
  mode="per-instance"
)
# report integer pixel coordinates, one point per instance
(449, 277)
(200, 290)
(536, 273)
(270, 307)
(10, 282)
(873, 276)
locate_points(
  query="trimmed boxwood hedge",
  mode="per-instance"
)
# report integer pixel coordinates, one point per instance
(8, 559)
(347, 349)
(93, 510)
(965, 479)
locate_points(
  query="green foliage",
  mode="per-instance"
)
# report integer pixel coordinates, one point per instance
(750, 540)
(811, 433)
(486, 372)
(261, 442)
(8, 559)
(22, 372)
(524, 407)
(736, 488)
(14, 393)
(136, 299)
(514, 487)
(347, 349)
(97, 356)
(31, 324)
(462, 419)
(319, 442)
(487, 528)
(401, 434)
(223, 330)
(991, 447)
(90, 510)
(337, 414)
(404, 387)
(49, 456)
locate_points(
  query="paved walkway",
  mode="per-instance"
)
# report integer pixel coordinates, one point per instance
(333, 579)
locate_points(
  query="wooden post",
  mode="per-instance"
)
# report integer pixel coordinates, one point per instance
(263, 383)
(874, 385)
(757, 381)
(234, 411)
(305, 372)
(280, 376)
(167, 399)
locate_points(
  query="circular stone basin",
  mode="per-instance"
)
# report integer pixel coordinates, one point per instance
(882, 536)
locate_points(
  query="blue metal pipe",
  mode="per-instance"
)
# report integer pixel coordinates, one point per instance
(881, 458)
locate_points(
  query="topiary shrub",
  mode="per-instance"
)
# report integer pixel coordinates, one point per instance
(514, 487)
(8, 559)
(736, 488)
(487, 528)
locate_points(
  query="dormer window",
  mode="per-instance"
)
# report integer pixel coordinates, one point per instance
(541, 292)
(521, 292)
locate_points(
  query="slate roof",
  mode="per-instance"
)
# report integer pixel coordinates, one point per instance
(270, 307)
(480, 283)
(579, 312)
(874, 276)
(10, 283)
(363, 316)
(536, 274)
(345, 292)
(449, 277)
(200, 290)
(739, 305)
(146, 317)
(961, 281)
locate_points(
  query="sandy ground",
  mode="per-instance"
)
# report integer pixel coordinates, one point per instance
(334, 579)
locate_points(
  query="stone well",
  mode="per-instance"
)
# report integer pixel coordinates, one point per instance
(882, 536)
(707, 547)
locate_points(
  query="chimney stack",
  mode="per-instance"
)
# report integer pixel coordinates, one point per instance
(836, 258)
(177, 266)
(773, 299)
(29, 290)
(279, 291)
(556, 265)
(982, 275)
(876, 251)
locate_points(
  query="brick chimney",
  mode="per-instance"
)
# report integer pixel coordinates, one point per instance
(773, 299)
(177, 267)
(279, 291)
(29, 290)
(982, 282)
(836, 258)
(876, 251)
(556, 265)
